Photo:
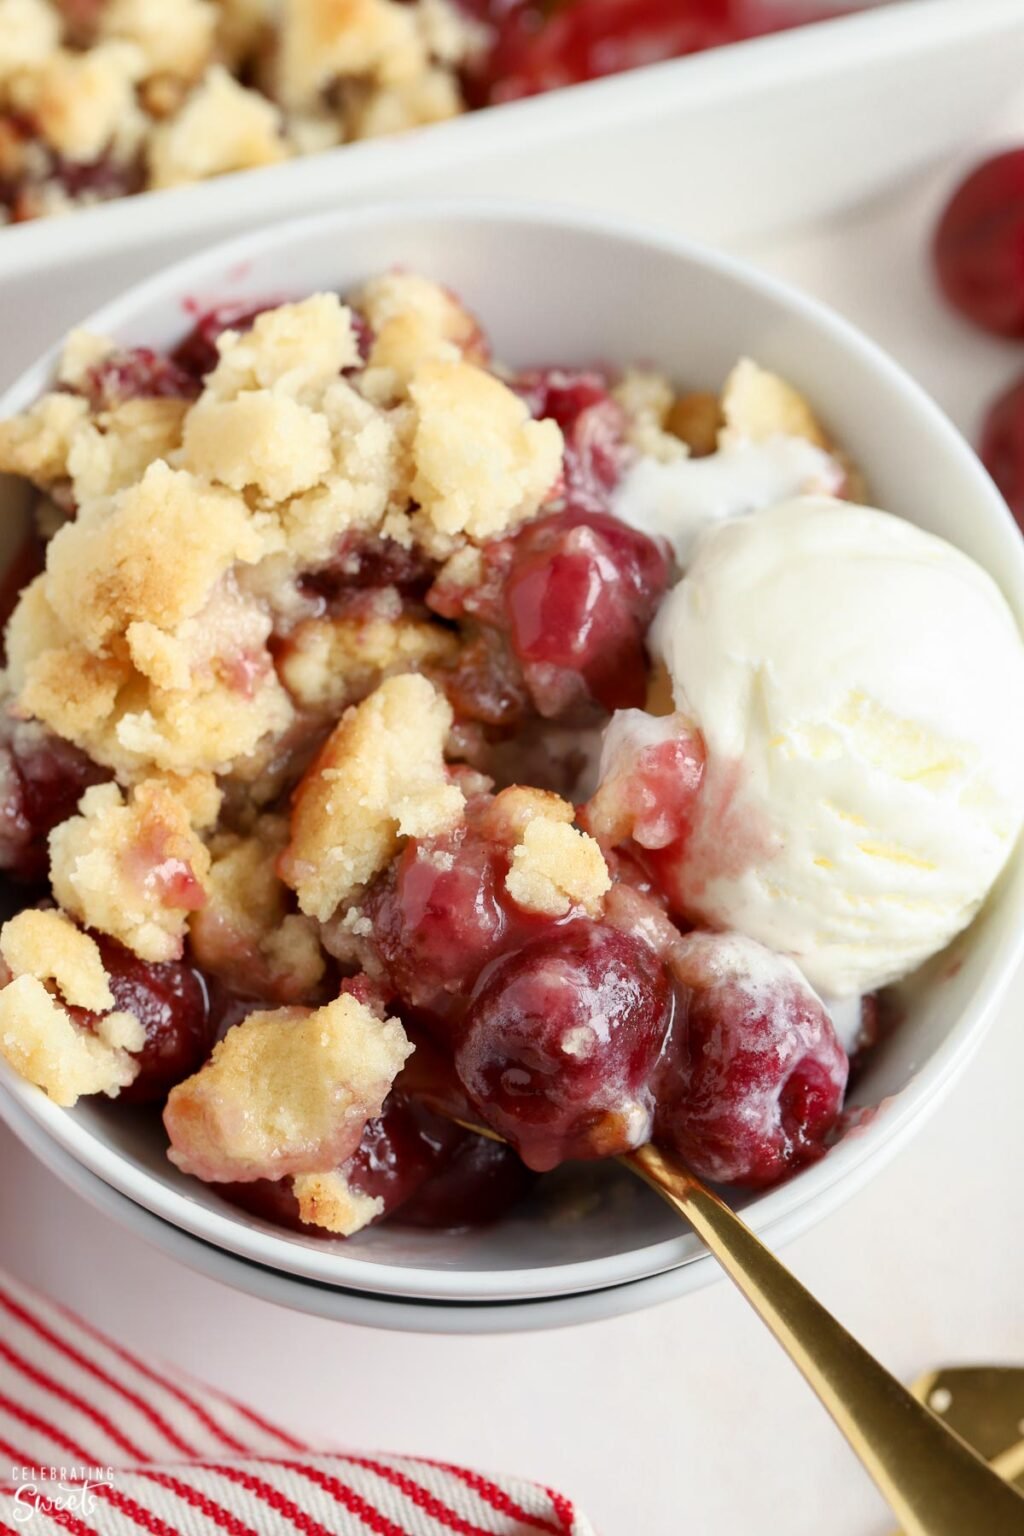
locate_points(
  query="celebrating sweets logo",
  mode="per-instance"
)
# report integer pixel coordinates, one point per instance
(57, 1490)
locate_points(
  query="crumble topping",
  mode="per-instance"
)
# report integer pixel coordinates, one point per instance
(29, 34)
(83, 102)
(144, 94)
(330, 597)
(221, 127)
(174, 37)
(758, 405)
(380, 778)
(37, 443)
(42, 943)
(555, 868)
(331, 663)
(285, 1092)
(38, 1036)
(244, 932)
(413, 321)
(648, 400)
(131, 866)
(328, 1200)
(482, 463)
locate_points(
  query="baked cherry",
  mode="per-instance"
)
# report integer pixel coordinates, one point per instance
(536, 49)
(196, 354)
(979, 245)
(171, 1002)
(653, 769)
(561, 1040)
(755, 1079)
(439, 916)
(579, 599)
(475, 1186)
(593, 427)
(427, 1172)
(42, 779)
(1002, 447)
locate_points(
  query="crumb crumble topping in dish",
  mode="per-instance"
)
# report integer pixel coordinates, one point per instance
(100, 99)
(298, 761)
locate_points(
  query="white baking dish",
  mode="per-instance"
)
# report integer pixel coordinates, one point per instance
(725, 143)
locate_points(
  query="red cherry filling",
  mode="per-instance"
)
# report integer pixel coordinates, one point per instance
(170, 1001)
(579, 599)
(42, 779)
(756, 1077)
(540, 48)
(648, 796)
(560, 1043)
(593, 425)
(196, 354)
(440, 914)
(979, 245)
(1002, 447)
(573, 596)
(428, 1173)
(480, 1182)
(136, 373)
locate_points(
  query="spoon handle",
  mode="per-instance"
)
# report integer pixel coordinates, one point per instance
(933, 1481)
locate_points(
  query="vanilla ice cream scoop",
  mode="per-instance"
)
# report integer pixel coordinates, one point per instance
(859, 686)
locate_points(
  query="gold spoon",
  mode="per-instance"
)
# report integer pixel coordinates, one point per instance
(935, 1484)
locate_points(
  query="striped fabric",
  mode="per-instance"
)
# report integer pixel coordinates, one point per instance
(99, 1443)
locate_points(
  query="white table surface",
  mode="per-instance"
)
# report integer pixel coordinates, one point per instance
(685, 1420)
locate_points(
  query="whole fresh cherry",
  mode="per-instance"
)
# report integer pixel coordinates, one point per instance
(979, 245)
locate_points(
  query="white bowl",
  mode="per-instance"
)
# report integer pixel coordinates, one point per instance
(334, 1301)
(570, 288)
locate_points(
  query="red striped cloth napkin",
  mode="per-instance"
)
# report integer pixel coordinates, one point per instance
(100, 1443)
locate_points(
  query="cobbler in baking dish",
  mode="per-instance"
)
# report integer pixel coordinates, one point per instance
(103, 98)
(300, 786)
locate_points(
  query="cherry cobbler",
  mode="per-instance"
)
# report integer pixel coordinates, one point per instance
(298, 775)
(103, 98)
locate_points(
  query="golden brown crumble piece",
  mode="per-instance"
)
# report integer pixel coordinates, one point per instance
(285, 1092)
(43, 943)
(647, 399)
(325, 40)
(38, 1037)
(758, 405)
(223, 126)
(114, 450)
(262, 439)
(328, 1200)
(482, 464)
(380, 778)
(131, 867)
(81, 103)
(296, 349)
(36, 443)
(154, 556)
(413, 321)
(512, 809)
(696, 419)
(331, 663)
(175, 37)
(556, 867)
(29, 35)
(245, 933)
(433, 96)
